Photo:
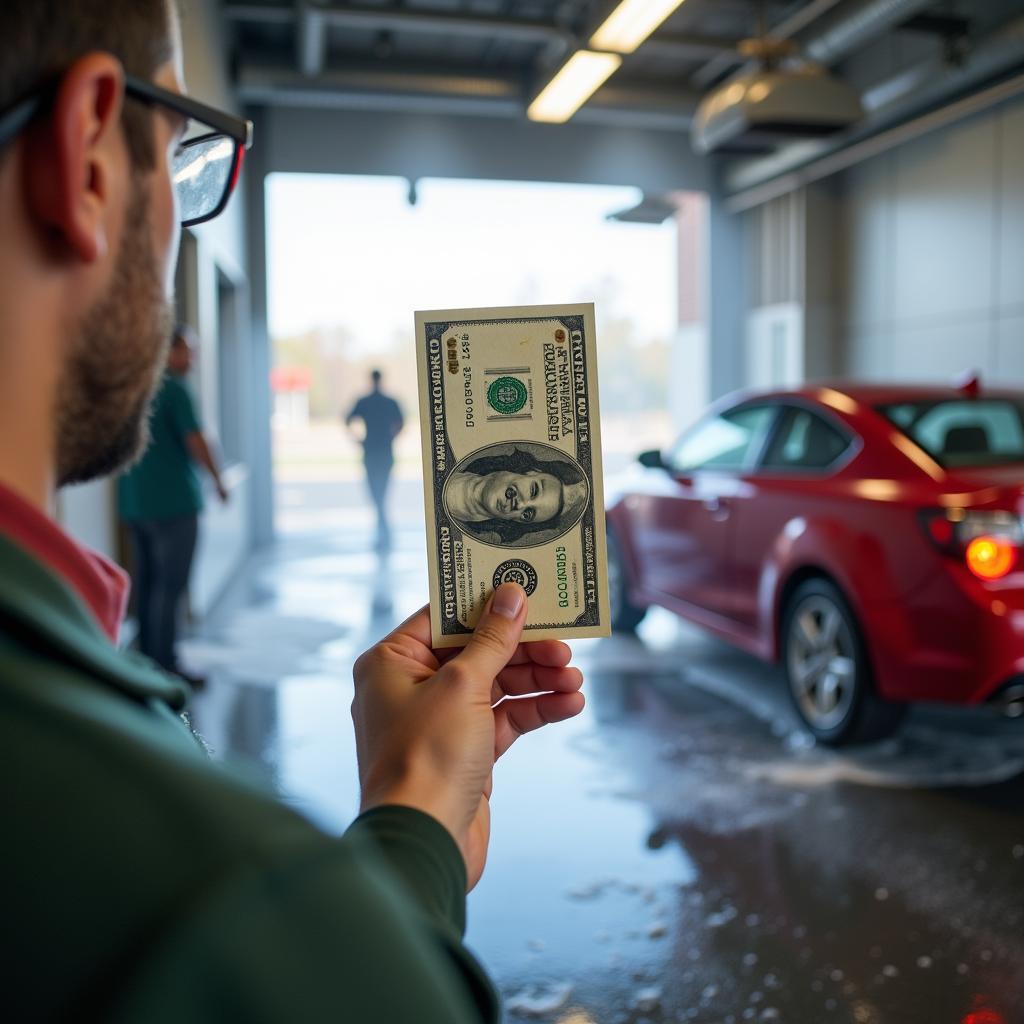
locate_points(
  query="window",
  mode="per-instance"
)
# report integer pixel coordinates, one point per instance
(964, 432)
(729, 441)
(805, 442)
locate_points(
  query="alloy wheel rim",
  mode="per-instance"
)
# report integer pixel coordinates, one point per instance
(822, 662)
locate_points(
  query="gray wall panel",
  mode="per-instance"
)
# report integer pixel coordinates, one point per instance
(866, 249)
(931, 258)
(1009, 366)
(944, 222)
(869, 354)
(1011, 210)
(941, 351)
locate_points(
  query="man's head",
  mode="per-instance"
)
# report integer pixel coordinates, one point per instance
(375, 379)
(86, 195)
(183, 348)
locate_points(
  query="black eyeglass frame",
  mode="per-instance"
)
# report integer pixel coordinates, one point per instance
(239, 130)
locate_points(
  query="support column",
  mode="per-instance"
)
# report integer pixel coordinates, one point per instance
(726, 297)
(260, 362)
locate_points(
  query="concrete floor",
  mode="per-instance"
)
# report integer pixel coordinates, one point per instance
(682, 851)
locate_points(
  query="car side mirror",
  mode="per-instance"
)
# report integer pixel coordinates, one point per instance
(651, 459)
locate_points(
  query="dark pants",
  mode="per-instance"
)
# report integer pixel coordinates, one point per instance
(163, 559)
(378, 474)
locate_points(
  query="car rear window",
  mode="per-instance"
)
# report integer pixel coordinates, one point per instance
(964, 432)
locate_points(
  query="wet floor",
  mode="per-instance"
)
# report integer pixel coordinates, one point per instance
(681, 851)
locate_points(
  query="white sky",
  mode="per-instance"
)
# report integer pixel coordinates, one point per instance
(350, 251)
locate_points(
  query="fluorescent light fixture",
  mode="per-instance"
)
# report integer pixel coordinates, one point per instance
(631, 23)
(580, 77)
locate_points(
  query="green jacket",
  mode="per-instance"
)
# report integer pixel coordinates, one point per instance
(144, 883)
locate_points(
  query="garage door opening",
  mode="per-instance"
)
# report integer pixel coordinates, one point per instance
(349, 260)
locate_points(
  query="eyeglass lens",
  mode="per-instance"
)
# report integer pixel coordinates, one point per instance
(202, 173)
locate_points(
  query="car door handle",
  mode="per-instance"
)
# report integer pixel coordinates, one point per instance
(718, 508)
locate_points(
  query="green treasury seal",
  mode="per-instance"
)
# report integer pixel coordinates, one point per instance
(507, 395)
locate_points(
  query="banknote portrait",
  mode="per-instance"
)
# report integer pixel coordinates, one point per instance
(517, 495)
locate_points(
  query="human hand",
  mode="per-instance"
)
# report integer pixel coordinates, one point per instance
(222, 492)
(431, 724)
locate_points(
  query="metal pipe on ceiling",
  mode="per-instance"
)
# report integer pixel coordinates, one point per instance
(311, 39)
(853, 26)
(786, 28)
(842, 32)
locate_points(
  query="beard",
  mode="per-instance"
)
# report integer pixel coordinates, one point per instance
(115, 361)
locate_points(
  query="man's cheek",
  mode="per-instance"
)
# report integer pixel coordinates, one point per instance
(167, 233)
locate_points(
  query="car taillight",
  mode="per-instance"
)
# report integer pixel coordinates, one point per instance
(988, 542)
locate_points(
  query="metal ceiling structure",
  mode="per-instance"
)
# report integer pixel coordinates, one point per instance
(489, 58)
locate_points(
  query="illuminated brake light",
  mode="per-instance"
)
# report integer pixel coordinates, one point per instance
(990, 558)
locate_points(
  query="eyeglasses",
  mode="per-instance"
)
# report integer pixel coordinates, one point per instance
(206, 165)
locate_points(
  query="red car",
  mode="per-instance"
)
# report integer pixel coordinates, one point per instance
(868, 537)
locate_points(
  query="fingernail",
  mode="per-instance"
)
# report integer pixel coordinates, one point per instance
(508, 599)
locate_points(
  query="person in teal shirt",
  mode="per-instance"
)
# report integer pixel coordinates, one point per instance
(144, 883)
(160, 499)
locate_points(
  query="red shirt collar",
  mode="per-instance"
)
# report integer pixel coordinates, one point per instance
(98, 581)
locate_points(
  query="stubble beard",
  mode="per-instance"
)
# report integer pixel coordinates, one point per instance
(115, 362)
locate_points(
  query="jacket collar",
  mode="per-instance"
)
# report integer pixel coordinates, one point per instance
(35, 604)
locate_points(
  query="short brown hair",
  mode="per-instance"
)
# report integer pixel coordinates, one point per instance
(40, 39)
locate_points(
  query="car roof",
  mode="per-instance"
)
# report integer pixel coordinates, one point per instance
(886, 394)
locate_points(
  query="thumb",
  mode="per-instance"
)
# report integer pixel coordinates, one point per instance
(496, 636)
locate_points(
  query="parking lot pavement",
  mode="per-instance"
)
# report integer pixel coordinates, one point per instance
(680, 852)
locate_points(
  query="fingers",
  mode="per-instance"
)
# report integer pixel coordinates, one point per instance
(417, 627)
(520, 680)
(545, 652)
(494, 641)
(513, 718)
(539, 652)
(403, 648)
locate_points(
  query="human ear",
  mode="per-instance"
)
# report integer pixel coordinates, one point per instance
(76, 160)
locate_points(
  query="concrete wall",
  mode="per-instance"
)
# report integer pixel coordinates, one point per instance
(215, 261)
(790, 324)
(931, 271)
(426, 145)
(210, 253)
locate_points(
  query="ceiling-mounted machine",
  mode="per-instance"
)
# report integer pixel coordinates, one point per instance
(783, 96)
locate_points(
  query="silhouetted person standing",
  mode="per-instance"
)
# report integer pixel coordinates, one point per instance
(160, 499)
(382, 422)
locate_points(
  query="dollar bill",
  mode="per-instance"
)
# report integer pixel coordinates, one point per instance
(512, 467)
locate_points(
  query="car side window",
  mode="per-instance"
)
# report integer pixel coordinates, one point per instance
(729, 441)
(805, 441)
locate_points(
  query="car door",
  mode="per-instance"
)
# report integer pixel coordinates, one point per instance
(682, 534)
(806, 447)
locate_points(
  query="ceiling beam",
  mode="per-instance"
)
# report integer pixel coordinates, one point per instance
(352, 15)
(416, 88)
(363, 16)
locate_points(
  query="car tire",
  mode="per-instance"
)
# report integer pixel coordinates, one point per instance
(625, 615)
(828, 669)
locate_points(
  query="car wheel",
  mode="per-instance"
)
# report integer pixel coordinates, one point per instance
(828, 669)
(625, 615)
